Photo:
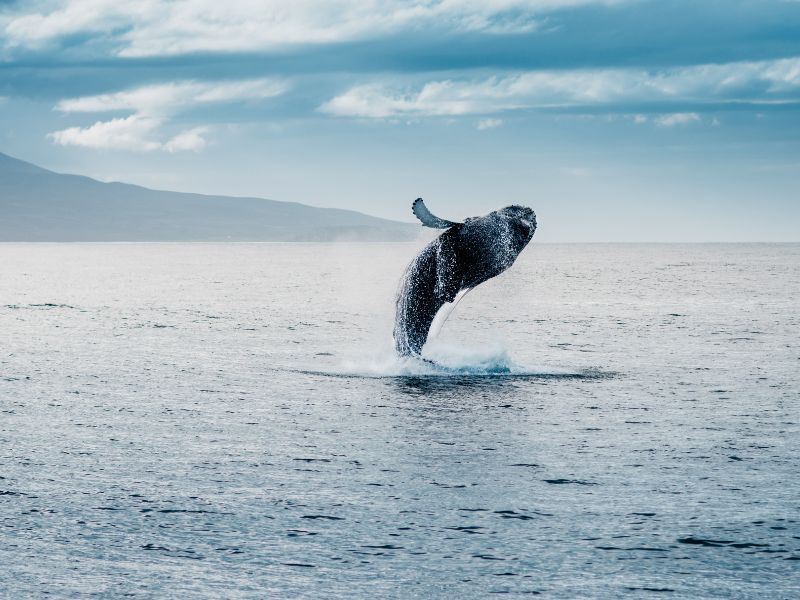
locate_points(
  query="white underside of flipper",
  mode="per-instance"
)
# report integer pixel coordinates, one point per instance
(444, 313)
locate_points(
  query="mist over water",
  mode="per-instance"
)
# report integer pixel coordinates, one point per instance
(228, 420)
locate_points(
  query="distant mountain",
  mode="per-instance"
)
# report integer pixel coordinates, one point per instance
(37, 205)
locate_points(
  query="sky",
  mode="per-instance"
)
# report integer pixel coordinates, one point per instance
(616, 120)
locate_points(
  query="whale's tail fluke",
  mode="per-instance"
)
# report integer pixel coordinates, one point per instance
(427, 218)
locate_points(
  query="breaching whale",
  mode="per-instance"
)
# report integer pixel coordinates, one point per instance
(462, 257)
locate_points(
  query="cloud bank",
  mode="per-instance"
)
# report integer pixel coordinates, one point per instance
(167, 27)
(747, 82)
(152, 107)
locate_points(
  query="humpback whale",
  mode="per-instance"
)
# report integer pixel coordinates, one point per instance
(460, 258)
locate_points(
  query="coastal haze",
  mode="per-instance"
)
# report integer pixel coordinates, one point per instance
(37, 205)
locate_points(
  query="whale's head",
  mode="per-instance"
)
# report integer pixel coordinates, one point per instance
(512, 228)
(490, 244)
(520, 224)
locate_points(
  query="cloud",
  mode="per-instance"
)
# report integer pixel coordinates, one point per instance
(152, 106)
(130, 133)
(489, 124)
(60, 19)
(170, 97)
(775, 81)
(188, 140)
(165, 27)
(677, 119)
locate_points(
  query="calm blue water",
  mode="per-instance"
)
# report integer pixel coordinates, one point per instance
(201, 420)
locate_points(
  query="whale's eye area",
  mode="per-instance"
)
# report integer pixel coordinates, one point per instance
(522, 229)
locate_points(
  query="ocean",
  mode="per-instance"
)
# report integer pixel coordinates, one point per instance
(229, 420)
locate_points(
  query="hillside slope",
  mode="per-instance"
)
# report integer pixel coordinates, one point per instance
(40, 205)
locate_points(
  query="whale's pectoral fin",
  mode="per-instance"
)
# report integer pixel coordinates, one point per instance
(427, 218)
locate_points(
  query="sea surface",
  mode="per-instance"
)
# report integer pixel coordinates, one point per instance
(228, 421)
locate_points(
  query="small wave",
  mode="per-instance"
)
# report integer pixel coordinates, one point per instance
(44, 305)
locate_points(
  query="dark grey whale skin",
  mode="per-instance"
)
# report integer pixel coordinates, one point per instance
(462, 257)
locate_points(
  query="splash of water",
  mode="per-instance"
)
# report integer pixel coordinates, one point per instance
(442, 360)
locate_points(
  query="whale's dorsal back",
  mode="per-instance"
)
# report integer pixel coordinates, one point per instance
(427, 218)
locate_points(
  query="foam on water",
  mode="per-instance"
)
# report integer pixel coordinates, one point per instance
(441, 360)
